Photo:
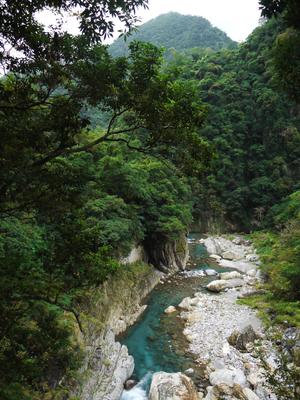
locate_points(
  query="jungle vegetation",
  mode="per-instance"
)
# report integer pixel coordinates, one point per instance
(98, 153)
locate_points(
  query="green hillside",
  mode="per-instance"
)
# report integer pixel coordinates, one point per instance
(176, 31)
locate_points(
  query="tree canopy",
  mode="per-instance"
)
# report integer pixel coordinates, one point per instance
(175, 31)
(286, 52)
(75, 196)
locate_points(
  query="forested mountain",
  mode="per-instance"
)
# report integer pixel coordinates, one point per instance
(253, 126)
(178, 32)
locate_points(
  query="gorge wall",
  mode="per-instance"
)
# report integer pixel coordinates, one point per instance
(111, 309)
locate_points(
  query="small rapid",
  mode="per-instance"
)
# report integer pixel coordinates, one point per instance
(138, 392)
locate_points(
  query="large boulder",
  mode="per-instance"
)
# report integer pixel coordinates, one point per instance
(210, 272)
(212, 246)
(230, 275)
(240, 340)
(217, 286)
(249, 394)
(170, 310)
(222, 284)
(229, 377)
(189, 303)
(225, 392)
(231, 255)
(176, 386)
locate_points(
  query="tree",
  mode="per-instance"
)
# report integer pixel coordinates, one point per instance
(65, 222)
(289, 9)
(43, 114)
(286, 53)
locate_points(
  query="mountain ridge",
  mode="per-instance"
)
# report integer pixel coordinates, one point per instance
(188, 31)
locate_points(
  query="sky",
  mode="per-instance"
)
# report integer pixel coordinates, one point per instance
(237, 18)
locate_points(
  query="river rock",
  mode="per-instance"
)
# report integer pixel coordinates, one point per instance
(189, 303)
(193, 273)
(215, 257)
(252, 257)
(217, 286)
(240, 265)
(222, 284)
(240, 340)
(249, 394)
(230, 275)
(228, 377)
(225, 392)
(210, 272)
(230, 255)
(212, 246)
(254, 378)
(129, 384)
(170, 310)
(237, 240)
(176, 386)
(252, 273)
(189, 372)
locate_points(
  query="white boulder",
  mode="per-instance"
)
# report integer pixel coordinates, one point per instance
(231, 255)
(176, 386)
(230, 275)
(222, 284)
(230, 377)
(170, 310)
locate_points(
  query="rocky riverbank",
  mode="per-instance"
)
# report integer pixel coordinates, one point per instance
(226, 337)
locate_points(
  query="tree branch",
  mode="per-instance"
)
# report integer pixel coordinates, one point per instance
(56, 303)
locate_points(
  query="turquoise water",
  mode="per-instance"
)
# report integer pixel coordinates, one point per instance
(156, 341)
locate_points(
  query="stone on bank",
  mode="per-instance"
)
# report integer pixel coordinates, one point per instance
(176, 386)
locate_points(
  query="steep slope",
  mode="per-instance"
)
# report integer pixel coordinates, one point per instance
(176, 31)
(254, 128)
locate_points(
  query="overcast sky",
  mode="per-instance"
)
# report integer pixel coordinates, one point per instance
(237, 18)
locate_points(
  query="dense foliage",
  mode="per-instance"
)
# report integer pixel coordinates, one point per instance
(286, 52)
(75, 198)
(281, 250)
(99, 153)
(253, 126)
(186, 32)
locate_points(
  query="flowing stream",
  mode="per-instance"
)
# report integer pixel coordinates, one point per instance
(156, 340)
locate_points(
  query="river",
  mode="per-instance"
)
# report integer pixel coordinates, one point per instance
(156, 340)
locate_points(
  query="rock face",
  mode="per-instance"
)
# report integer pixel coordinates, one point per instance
(175, 386)
(107, 363)
(168, 257)
(115, 305)
(136, 254)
